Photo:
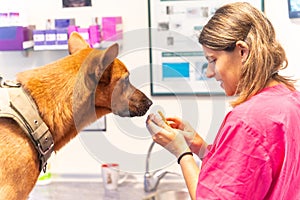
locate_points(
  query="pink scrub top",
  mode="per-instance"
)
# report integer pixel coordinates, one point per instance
(256, 154)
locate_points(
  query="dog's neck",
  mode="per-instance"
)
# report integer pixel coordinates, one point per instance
(54, 98)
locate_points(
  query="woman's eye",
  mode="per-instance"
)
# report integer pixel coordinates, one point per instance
(212, 61)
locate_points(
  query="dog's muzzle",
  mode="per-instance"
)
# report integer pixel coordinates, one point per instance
(132, 108)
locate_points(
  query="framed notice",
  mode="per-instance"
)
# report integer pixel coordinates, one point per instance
(294, 10)
(76, 3)
(99, 125)
(178, 65)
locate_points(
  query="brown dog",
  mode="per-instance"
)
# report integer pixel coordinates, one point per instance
(70, 94)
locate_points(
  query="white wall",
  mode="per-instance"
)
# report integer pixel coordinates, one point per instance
(287, 32)
(205, 113)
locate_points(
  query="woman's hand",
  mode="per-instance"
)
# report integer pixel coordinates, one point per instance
(171, 139)
(195, 142)
(175, 138)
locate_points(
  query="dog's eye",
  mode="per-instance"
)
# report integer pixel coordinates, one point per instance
(125, 82)
(126, 79)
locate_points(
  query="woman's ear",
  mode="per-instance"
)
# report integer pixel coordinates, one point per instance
(244, 50)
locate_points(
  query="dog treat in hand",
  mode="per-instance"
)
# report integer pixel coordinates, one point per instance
(163, 117)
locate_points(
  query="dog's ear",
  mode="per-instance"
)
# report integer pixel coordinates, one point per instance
(76, 43)
(108, 57)
(110, 54)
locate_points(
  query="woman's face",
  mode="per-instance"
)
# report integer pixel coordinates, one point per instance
(225, 67)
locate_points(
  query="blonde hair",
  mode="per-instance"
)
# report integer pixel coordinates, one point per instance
(241, 21)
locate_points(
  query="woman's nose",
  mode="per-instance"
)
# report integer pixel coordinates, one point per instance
(210, 72)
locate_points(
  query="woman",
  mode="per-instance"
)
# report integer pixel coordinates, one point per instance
(256, 152)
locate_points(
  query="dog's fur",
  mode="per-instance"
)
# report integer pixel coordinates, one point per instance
(70, 93)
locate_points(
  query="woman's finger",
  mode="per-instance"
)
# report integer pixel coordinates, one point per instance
(152, 127)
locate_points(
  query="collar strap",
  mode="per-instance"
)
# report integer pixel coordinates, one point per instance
(16, 104)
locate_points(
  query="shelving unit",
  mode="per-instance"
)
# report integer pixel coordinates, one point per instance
(12, 62)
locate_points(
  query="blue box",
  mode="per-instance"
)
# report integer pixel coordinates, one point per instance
(12, 37)
(64, 23)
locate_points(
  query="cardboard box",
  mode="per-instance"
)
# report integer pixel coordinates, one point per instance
(94, 32)
(84, 32)
(62, 36)
(64, 23)
(112, 28)
(50, 36)
(50, 39)
(39, 37)
(13, 37)
(72, 29)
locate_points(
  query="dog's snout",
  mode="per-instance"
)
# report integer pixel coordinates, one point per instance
(140, 104)
(129, 101)
(149, 102)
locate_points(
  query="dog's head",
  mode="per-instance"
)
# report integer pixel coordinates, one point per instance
(108, 77)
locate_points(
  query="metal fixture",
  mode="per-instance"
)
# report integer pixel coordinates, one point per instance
(151, 180)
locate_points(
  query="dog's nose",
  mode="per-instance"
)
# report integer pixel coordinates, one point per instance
(149, 102)
(141, 108)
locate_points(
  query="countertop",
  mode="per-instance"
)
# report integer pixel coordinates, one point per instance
(93, 189)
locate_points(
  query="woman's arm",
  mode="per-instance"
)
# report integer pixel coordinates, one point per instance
(176, 138)
(190, 172)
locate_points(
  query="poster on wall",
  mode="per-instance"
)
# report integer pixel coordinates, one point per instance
(294, 10)
(76, 3)
(178, 64)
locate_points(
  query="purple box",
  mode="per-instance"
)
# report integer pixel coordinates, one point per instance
(112, 28)
(84, 32)
(12, 37)
(61, 36)
(39, 37)
(94, 32)
(72, 29)
(50, 37)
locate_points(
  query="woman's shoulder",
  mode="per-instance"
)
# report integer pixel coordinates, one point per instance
(270, 103)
